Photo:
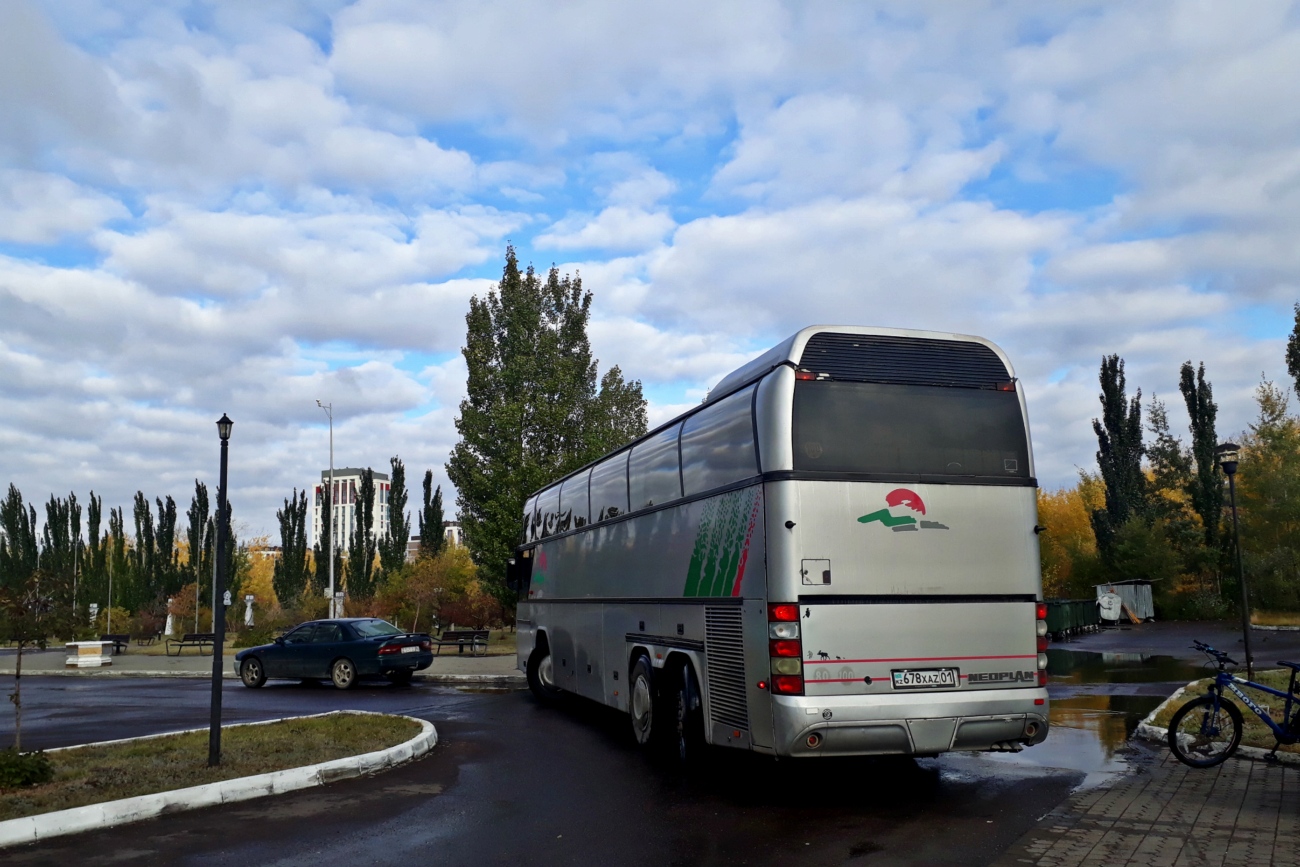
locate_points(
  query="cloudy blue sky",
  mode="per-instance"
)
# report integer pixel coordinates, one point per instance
(241, 207)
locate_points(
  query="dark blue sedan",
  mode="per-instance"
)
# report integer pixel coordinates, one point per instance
(343, 650)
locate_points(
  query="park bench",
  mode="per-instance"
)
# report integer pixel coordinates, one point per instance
(148, 639)
(477, 639)
(191, 639)
(119, 641)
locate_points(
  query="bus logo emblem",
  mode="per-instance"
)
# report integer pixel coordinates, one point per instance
(894, 515)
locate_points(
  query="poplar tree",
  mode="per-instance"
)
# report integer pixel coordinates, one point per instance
(326, 546)
(1206, 488)
(18, 546)
(1119, 456)
(290, 574)
(200, 537)
(94, 563)
(432, 540)
(392, 549)
(168, 577)
(141, 587)
(532, 410)
(61, 537)
(361, 549)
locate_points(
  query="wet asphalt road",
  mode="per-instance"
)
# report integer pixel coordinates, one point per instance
(515, 783)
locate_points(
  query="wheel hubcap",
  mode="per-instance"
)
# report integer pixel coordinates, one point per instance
(641, 705)
(546, 672)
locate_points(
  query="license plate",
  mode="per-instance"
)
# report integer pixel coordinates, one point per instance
(925, 678)
(410, 648)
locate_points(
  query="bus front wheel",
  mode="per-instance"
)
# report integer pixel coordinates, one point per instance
(641, 703)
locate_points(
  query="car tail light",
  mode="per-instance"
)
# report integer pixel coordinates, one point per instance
(785, 646)
(390, 649)
(426, 645)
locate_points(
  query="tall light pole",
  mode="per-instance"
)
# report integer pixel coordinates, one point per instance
(1227, 455)
(224, 424)
(329, 555)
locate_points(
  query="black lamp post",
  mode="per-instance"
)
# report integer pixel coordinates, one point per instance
(224, 424)
(1227, 454)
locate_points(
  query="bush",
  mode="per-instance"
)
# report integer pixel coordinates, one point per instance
(24, 769)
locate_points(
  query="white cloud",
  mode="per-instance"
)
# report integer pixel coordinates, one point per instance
(40, 208)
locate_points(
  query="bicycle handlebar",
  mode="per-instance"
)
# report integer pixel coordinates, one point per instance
(1210, 651)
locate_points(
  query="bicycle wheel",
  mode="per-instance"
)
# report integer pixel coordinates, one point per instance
(1201, 735)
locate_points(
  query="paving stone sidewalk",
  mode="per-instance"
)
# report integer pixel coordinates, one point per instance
(1166, 814)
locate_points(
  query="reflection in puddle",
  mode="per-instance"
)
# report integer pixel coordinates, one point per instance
(1097, 700)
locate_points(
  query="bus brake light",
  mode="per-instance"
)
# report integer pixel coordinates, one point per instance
(787, 684)
(1040, 611)
(783, 612)
(804, 375)
(786, 647)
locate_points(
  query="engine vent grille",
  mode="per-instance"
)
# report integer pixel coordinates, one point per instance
(903, 360)
(724, 653)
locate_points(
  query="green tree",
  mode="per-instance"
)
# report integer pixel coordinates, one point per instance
(1268, 495)
(532, 410)
(1206, 488)
(326, 546)
(289, 576)
(1119, 457)
(1293, 351)
(1169, 493)
(169, 576)
(19, 551)
(432, 539)
(361, 548)
(94, 562)
(199, 537)
(392, 548)
(120, 562)
(143, 585)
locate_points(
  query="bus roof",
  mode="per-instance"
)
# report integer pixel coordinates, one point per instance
(790, 350)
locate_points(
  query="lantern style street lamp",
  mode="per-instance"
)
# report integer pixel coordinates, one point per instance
(1227, 455)
(224, 424)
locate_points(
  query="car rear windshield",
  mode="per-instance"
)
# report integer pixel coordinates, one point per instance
(375, 628)
(867, 427)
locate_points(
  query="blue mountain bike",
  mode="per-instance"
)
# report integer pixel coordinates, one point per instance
(1207, 730)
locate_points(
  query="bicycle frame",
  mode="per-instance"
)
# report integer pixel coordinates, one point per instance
(1229, 680)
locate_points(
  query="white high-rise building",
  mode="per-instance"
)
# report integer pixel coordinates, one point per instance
(347, 486)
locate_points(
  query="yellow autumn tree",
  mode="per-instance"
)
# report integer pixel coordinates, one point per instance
(1068, 546)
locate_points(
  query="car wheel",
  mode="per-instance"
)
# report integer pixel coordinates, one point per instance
(343, 673)
(252, 673)
(689, 718)
(642, 704)
(401, 677)
(541, 675)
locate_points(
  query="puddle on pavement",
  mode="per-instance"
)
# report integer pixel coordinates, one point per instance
(1097, 700)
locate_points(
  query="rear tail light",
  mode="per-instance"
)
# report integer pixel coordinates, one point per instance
(804, 375)
(1042, 678)
(1042, 662)
(1042, 643)
(785, 647)
(787, 684)
(1007, 386)
(390, 649)
(426, 645)
(1040, 633)
(1040, 611)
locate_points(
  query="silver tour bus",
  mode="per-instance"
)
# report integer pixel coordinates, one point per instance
(835, 554)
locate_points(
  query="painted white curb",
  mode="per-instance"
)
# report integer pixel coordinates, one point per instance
(30, 829)
(1253, 627)
(1148, 731)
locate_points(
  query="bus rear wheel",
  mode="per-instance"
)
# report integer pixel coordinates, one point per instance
(641, 703)
(541, 675)
(689, 707)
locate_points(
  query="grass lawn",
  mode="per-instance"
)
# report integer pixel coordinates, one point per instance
(89, 775)
(1254, 732)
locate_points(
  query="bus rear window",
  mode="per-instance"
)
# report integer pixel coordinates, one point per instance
(866, 427)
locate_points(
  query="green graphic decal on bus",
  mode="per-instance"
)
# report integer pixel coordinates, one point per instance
(901, 498)
(722, 545)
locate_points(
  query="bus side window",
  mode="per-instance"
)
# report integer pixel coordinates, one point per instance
(654, 473)
(548, 508)
(530, 520)
(574, 502)
(718, 444)
(609, 487)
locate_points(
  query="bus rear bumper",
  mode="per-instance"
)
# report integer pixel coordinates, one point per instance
(855, 725)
